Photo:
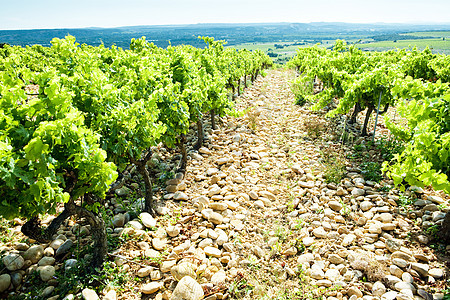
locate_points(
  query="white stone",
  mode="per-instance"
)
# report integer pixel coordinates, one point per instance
(187, 289)
(89, 294)
(152, 287)
(147, 220)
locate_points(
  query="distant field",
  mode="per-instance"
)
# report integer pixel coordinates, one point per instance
(284, 53)
(439, 42)
(436, 44)
(436, 34)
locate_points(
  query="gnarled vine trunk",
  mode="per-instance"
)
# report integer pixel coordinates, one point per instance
(182, 146)
(200, 134)
(213, 119)
(366, 120)
(33, 229)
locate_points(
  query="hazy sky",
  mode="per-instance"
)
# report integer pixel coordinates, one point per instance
(26, 14)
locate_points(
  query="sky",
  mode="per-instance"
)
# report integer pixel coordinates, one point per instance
(37, 14)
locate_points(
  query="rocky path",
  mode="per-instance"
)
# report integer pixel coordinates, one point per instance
(255, 219)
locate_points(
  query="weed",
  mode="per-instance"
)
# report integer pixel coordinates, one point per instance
(442, 207)
(387, 148)
(385, 188)
(240, 288)
(252, 118)
(314, 126)
(371, 171)
(6, 235)
(300, 224)
(404, 200)
(433, 230)
(334, 164)
(301, 88)
(345, 211)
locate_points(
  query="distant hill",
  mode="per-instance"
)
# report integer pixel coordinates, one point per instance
(233, 33)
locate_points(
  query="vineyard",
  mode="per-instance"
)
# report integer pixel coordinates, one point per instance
(119, 185)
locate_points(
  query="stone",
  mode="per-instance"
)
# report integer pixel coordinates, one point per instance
(335, 205)
(64, 248)
(172, 231)
(319, 232)
(34, 253)
(147, 219)
(180, 196)
(317, 274)
(159, 244)
(47, 291)
(155, 275)
(253, 195)
(110, 295)
(46, 272)
(212, 171)
(436, 199)
(152, 287)
(378, 289)
(16, 279)
(5, 282)
(122, 191)
(348, 239)
(437, 215)
(188, 289)
(422, 269)
(400, 262)
(406, 277)
(308, 241)
(22, 246)
(366, 205)
(70, 263)
(323, 282)
(183, 269)
(404, 286)
(219, 277)
(392, 295)
(56, 244)
(353, 290)
(335, 259)
(358, 192)
(259, 204)
(436, 273)
(13, 261)
(89, 294)
(258, 251)
(212, 251)
(375, 228)
(402, 255)
(220, 206)
(136, 225)
(306, 185)
(392, 245)
(215, 218)
(332, 274)
(119, 220)
(143, 272)
(167, 265)
(46, 261)
(392, 280)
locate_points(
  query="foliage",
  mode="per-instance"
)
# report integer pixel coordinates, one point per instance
(371, 171)
(334, 164)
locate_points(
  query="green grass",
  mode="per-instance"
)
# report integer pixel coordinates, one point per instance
(436, 34)
(437, 44)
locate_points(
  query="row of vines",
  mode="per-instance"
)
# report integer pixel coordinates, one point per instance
(416, 83)
(74, 118)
